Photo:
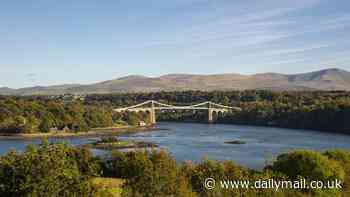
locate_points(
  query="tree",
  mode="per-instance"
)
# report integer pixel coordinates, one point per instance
(31, 124)
(132, 118)
(312, 166)
(149, 174)
(226, 101)
(45, 125)
(47, 170)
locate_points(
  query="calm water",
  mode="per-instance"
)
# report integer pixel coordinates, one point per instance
(187, 141)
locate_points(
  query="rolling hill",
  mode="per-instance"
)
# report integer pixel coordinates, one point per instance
(328, 79)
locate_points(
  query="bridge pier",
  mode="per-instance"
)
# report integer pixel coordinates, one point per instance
(210, 116)
(152, 114)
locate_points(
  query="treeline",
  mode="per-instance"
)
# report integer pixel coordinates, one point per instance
(41, 114)
(325, 111)
(61, 170)
(156, 174)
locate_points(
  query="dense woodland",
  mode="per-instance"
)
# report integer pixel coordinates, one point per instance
(326, 111)
(43, 114)
(61, 170)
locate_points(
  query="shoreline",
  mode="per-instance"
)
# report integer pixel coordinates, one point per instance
(95, 132)
(260, 125)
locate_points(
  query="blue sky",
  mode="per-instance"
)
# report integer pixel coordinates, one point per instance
(47, 42)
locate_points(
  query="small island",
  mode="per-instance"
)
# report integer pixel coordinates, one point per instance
(113, 143)
(235, 142)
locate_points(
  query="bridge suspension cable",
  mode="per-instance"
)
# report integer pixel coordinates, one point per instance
(135, 106)
(151, 106)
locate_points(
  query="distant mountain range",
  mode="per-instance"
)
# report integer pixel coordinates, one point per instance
(328, 79)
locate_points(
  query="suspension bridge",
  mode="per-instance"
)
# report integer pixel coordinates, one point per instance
(151, 106)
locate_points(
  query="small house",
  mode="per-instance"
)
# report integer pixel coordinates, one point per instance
(142, 124)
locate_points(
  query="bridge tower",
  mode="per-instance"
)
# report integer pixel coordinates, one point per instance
(210, 113)
(152, 113)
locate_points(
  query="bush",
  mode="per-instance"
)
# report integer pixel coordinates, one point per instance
(108, 139)
(308, 164)
(217, 170)
(343, 158)
(312, 166)
(80, 127)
